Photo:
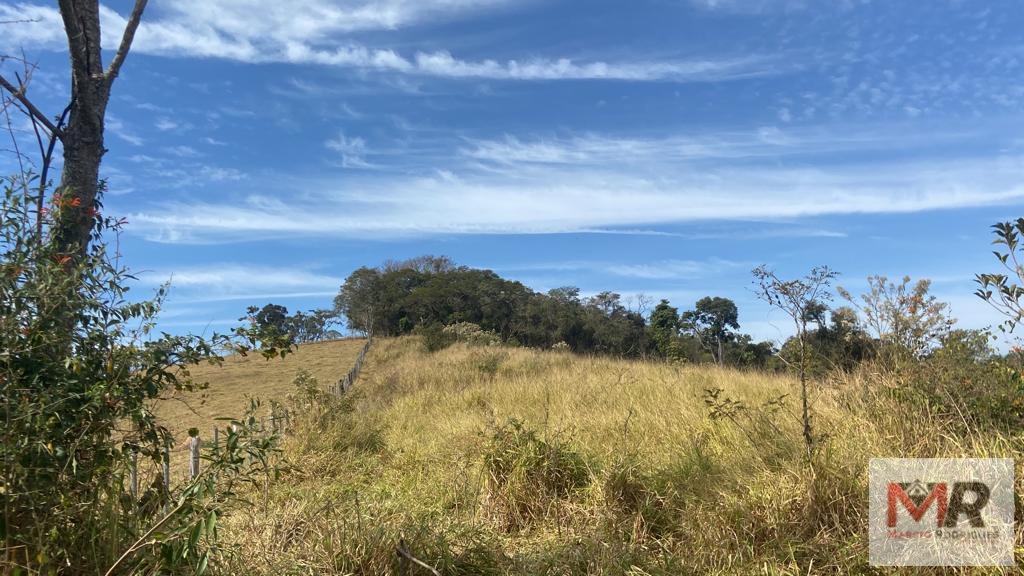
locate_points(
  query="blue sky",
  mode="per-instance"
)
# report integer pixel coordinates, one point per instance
(262, 150)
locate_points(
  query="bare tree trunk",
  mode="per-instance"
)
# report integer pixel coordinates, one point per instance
(83, 152)
(806, 416)
(83, 136)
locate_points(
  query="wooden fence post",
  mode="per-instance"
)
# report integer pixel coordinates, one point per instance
(167, 475)
(216, 439)
(193, 452)
(134, 476)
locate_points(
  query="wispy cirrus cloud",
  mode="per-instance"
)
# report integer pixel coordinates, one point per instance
(671, 269)
(316, 32)
(555, 199)
(236, 281)
(352, 150)
(763, 142)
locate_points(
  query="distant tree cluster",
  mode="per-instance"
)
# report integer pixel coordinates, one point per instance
(429, 292)
(707, 333)
(300, 328)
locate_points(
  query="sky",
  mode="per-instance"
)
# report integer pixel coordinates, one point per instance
(262, 150)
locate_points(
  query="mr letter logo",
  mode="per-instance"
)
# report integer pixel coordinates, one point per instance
(941, 512)
(916, 499)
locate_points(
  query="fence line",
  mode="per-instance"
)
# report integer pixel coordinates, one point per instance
(349, 379)
(279, 423)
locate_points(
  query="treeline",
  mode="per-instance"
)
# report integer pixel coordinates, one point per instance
(893, 321)
(428, 292)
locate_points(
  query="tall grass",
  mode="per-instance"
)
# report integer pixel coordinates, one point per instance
(515, 461)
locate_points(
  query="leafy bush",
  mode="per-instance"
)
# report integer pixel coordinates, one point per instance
(472, 334)
(965, 379)
(79, 369)
(434, 338)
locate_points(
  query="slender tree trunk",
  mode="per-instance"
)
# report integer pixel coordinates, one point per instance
(806, 416)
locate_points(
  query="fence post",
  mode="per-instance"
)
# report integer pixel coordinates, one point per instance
(193, 451)
(167, 468)
(216, 439)
(134, 476)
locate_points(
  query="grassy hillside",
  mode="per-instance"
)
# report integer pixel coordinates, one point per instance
(240, 377)
(515, 461)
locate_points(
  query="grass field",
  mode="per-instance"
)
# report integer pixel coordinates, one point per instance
(515, 461)
(251, 376)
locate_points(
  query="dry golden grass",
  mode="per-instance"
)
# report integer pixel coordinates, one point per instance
(238, 377)
(668, 490)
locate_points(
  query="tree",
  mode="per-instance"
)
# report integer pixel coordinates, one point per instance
(839, 345)
(311, 327)
(398, 298)
(1001, 290)
(710, 321)
(426, 264)
(82, 137)
(797, 298)
(357, 299)
(269, 317)
(665, 326)
(907, 321)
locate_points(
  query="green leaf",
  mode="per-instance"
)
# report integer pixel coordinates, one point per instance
(203, 562)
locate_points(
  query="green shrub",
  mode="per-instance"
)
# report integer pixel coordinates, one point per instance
(965, 379)
(434, 338)
(79, 371)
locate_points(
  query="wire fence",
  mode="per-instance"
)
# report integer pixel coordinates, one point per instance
(278, 422)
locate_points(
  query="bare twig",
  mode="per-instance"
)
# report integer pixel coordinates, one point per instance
(19, 95)
(403, 551)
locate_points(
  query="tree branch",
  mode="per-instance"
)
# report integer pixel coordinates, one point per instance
(126, 40)
(19, 95)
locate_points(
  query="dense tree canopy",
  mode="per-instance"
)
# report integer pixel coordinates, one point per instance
(400, 297)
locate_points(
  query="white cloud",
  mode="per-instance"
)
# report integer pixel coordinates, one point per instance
(165, 124)
(183, 151)
(672, 269)
(351, 150)
(116, 127)
(758, 6)
(765, 142)
(558, 199)
(314, 32)
(233, 281)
